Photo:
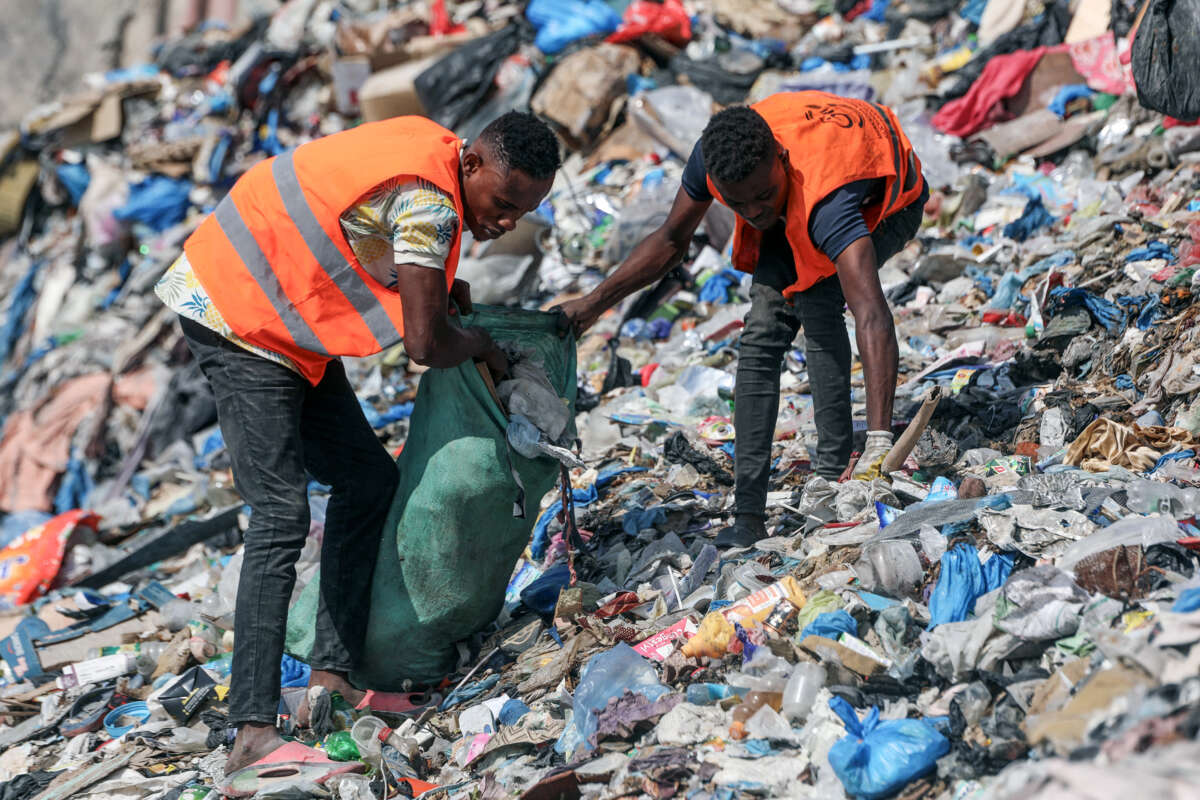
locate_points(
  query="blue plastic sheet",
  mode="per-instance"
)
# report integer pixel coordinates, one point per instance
(1068, 94)
(962, 581)
(831, 625)
(511, 712)
(1032, 219)
(1188, 601)
(716, 288)
(1182, 455)
(877, 758)
(157, 202)
(1008, 289)
(293, 672)
(560, 22)
(380, 419)
(1155, 249)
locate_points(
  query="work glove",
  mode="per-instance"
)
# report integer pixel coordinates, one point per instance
(878, 445)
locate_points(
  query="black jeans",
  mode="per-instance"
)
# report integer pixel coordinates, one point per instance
(770, 328)
(277, 426)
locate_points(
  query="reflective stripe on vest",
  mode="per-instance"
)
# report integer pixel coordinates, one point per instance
(326, 252)
(244, 244)
(895, 157)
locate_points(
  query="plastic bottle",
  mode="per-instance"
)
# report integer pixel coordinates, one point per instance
(754, 700)
(96, 670)
(147, 656)
(1148, 497)
(801, 690)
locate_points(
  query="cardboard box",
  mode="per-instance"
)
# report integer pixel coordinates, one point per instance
(393, 92)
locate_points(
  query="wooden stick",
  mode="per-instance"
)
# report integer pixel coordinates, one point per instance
(908, 440)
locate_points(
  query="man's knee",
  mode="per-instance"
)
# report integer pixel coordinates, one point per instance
(770, 323)
(376, 482)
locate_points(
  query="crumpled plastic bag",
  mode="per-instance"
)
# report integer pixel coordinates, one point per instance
(1040, 603)
(877, 758)
(560, 22)
(528, 392)
(607, 675)
(964, 579)
(1036, 532)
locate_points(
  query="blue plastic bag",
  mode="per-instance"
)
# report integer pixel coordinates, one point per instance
(560, 22)
(605, 676)
(877, 758)
(1033, 218)
(1188, 601)
(157, 201)
(831, 624)
(962, 581)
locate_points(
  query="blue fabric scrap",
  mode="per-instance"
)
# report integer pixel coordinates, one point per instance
(1032, 219)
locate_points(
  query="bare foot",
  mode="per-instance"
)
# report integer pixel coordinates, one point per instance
(254, 740)
(332, 681)
(337, 682)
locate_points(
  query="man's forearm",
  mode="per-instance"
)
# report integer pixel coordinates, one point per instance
(650, 260)
(876, 338)
(451, 346)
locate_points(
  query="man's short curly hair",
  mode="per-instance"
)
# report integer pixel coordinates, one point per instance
(520, 140)
(734, 143)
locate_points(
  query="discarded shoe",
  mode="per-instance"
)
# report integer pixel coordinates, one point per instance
(740, 534)
(293, 762)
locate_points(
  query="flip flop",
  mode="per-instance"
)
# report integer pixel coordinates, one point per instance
(88, 711)
(291, 762)
(397, 702)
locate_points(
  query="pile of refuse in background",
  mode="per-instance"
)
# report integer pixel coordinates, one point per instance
(1013, 612)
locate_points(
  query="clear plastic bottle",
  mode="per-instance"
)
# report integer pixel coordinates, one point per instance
(754, 700)
(1148, 497)
(801, 690)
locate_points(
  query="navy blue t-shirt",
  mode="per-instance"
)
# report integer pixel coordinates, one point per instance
(834, 224)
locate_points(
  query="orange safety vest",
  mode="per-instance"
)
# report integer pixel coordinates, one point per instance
(274, 260)
(831, 141)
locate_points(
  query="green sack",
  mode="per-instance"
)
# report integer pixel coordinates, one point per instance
(451, 541)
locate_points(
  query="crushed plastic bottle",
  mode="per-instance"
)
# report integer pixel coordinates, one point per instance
(1151, 497)
(801, 690)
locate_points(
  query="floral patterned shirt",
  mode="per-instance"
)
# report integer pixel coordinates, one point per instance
(405, 220)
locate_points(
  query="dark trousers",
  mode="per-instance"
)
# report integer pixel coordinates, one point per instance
(277, 428)
(770, 328)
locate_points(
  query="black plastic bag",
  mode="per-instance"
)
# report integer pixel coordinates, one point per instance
(460, 81)
(1166, 57)
(727, 77)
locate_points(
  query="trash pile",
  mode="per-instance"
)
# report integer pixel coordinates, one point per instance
(1012, 611)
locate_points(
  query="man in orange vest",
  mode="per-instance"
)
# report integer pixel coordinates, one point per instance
(825, 190)
(341, 247)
